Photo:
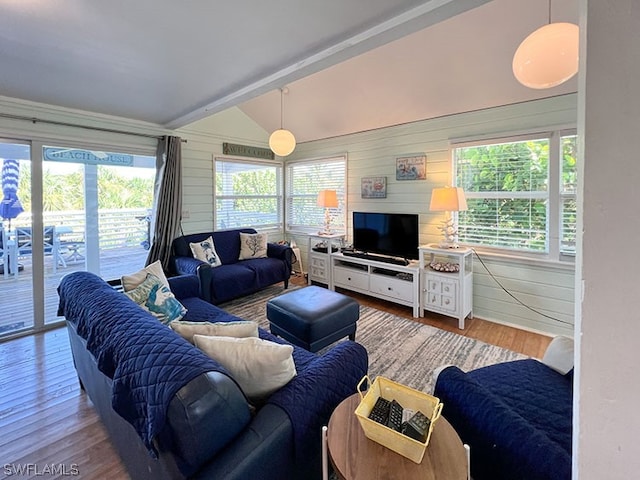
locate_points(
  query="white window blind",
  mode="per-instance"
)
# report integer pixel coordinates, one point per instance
(511, 191)
(248, 194)
(568, 190)
(507, 195)
(304, 180)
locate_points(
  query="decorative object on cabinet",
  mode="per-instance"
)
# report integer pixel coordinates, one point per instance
(327, 199)
(447, 292)
(448, 199)
(373, 187)
(411, 167)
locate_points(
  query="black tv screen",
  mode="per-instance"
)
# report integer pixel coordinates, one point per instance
(394, 234)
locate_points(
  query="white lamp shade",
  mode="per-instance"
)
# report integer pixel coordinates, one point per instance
(448, 199)
(282, 142)
(327, 199)
(547, 57)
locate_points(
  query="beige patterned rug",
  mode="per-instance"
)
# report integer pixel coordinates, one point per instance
(402, 350)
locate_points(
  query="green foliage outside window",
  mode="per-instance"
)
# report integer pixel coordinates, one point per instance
(507, 189)
(66, 191)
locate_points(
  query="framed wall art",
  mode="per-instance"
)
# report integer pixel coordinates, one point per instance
(411, 167)
(373, 187)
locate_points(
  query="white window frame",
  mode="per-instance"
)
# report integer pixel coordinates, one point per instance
(338, 215)
(278, 225)
(553, 195)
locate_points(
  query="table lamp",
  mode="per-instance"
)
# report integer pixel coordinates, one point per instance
(448, 199)
(327, 199)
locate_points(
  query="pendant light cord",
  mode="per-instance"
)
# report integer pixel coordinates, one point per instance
(281, 108)
(549, 12)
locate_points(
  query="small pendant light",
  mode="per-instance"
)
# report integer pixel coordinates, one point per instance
(282, 142)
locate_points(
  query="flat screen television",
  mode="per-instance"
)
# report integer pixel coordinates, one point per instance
(393, 234)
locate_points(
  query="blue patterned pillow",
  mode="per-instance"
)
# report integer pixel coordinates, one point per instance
(157, 299)
(206, 251)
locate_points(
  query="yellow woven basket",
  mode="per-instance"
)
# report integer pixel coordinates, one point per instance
(408, 398)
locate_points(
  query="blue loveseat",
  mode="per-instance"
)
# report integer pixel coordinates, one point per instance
(172, 412)
(516, 416)
(234, 278)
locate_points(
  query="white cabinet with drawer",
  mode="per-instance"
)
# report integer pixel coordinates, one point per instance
(395, 283)
(320, 248)
(449, 293)
(351, 278)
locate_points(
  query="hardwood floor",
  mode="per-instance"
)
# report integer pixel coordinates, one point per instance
(46, 422)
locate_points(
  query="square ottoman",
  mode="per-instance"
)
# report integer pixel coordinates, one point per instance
(313, 317)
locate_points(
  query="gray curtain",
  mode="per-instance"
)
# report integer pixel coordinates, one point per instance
(167, 202)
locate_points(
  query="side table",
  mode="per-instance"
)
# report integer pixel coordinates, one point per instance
(355, 457)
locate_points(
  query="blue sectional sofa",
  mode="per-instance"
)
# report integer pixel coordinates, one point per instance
(234, 278)
(173, 412)
(516, 416)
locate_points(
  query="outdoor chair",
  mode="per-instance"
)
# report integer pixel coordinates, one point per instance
(8, 253)
(51, 244)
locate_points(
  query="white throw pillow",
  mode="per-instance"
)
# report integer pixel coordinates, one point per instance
(129, 282)
(206, 252)
(157, 299)
(260, 367)
(253, 245)
(238, 329)
(559, 355)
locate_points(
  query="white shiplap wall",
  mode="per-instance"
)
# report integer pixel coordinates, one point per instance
(545, 286)
(204, 143)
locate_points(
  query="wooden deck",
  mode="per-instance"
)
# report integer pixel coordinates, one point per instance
(16, 293)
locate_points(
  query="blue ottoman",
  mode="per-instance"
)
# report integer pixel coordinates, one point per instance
(313, 317)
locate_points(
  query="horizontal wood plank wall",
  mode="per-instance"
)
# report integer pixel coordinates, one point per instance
(545, 287)
(204, 143)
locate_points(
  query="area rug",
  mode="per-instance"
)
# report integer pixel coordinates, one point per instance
(402, 350)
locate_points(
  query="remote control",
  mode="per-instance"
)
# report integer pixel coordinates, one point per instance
(380, 411)
(395, 416)
(417, 427)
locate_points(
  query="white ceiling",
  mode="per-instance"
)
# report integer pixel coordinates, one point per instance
(350, 65)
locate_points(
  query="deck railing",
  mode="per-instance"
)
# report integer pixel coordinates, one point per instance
(126, 227)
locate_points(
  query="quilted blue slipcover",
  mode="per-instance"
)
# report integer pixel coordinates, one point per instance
(516, 417)
(146, 360)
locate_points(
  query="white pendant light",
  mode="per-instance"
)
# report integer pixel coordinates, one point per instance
(548, 56)
(282, 142)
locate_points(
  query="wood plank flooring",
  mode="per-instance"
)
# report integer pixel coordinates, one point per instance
(47, 422)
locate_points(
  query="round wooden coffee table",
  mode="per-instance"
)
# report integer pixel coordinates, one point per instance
(354, 456)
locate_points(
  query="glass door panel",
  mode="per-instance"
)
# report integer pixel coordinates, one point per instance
(100, 204)
(16, 242)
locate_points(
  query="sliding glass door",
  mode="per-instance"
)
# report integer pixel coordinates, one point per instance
(16, 285)
(67, 209)
(100, 205)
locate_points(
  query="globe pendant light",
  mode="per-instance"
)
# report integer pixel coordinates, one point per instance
(548, 56)
(282, 142)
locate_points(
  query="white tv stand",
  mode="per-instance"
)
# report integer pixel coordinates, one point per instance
(388, 281)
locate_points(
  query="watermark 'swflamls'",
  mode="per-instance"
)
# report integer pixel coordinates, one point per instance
(37, 470)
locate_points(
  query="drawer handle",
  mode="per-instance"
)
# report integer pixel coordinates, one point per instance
(349, 278)
(390, 289)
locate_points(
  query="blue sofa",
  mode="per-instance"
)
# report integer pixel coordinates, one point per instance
(234, 278)
(172, 412)
(516, 417)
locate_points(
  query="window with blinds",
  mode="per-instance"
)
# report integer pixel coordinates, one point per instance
(248, 194)
(509, 196)
(568, 190)
(304, 180)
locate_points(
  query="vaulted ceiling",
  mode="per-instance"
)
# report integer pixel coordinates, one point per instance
(350, 65)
